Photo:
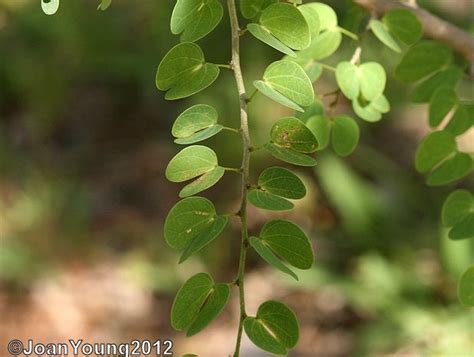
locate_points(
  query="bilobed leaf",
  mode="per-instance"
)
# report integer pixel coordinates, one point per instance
(213, 306)
(187, 220)
(316, 108)
(205, 237)
(194, 119)
(327, 16)
(320, 126)
(252, 8)
(441, 103)
(287, 24)
(368, 112)
(347, 76)
(423, 59)
(404, 24)
(372, 79)
(202, 183)
(290, 156)
(450, 170)
(466, 287)
(380, 104)
(456, 207)
(289, 242)
(265, 36)
(435, 148)
(381, 32)
(288, 79)
(312, 18)
(464, 229)
(447, 78)
(323, 46)
(50, 7)
(268, 201)
(191, 162)
(462, 120)
(194, 19)
(345, 135)
(189, 299)
(104, 5)
(200, 135)
(269, 257)
(291, 133)
(184, 72)
(281, 182)
(275, 328)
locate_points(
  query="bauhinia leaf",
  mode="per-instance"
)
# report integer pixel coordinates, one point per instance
(462, 120)
(345, 135)
(404, 24)
(202, 183)
(268, 201)
(441, 103)
(281, 182)
(368, 79)
(320, 126)
(287, 83)
(435, 148)
(381, 31)
(194, 19)
(290, 156)
(252, 8)
(191, 162)
(447, 78)
(274, 329)
(184, 72)
(291, 133)
(466, 287)
(450, 170)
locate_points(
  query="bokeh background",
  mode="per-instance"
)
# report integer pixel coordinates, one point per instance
(84, 141)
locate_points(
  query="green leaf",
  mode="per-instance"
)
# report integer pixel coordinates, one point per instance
(381, 104)
(204, 238)
(50, 7)
(189, 300)
(281, 182)
(368, 113)
(201, 135)
(252, 8)
(462, 120)
(191, 162)
(211, 309)
(347, 77)
(320, 126)
(316, 108)
(269, 257)
(405, 25)
(289, 242)
(422, 60)
(266, 37)
(466, 287)
(196, 124)
(187, 220)
(381, 32)
(291, 133)
(290, 156)
(274, 329)
(287, 83)
(447, 78)
(104, 5)
(435, 148)
(202, 183)
(311, 16)
(194, 19)
(268, 201)
(345, 135)
(464, 229)
(322, 46)
(450, 170)
(327, 16)
(184, 72)
(457, 207)
(287, 24)
(372, 80)
(441, 103)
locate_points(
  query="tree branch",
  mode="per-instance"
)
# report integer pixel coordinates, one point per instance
(247, 146)
(434, 27)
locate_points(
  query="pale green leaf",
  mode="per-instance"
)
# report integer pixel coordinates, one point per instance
(191, 162)
(290, 156)
(50, 7)
(312, 18)
(368, 112)
(372, 80)
(266, 37)
(327, 16)
(194, 119)
(345, 135)
(381, 32)
(320, 126)
(268, 201)
(202, 183)
(281, 182)
(347, 77)
(289, 242)
(269, 257)
(323, 45)
(380, 104)
(291, 133)
(466, 287)
(200, 135)
(271, 93)
(104, 5)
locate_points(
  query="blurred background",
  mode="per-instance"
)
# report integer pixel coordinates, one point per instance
(84, 141)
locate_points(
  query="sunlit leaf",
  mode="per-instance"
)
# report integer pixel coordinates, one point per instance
(104, 5)
(290, 156)
(347, 76)
(289, 242)
(312, 18)
(184, 72)
(291, 133)
(265, 36)
(191, 162)
(281, 182)
(267, 255)
(372, 79)
(194, 19)
(274, 329)
(50, 7)
(422, 60)
(323, 46)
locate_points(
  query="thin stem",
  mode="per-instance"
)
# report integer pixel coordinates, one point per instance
(234, 23)
(233, 169)
(228, 66)
(348, 33)
(326, 66)
(249, 99)
(231, 129)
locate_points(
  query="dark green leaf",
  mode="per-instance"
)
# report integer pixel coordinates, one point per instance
(441, 103)
(281, 182)
(381, 32)
(462, 120)
(252, 8)
(422, 60)
(345, 135)
(289, 242)
(435, 148)
(466, 287)
(290, 156)
(404, 25)
(202, 183)
(447, 78)
(291, 133)
(268, 201)
(456, 207)
(269, 257)
(464, 229)
(450, 170)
